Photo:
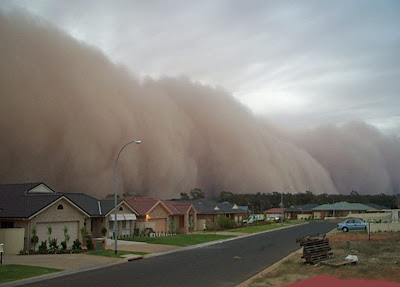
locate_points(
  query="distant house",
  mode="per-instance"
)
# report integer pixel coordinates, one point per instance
(36, 206)
(152, 213)
(183, 218)
(274, 212)
(340, 209)
(163, 216)
(208, 212)
(300, 211)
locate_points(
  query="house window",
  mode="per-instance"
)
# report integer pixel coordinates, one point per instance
(121, 209)
(59, 207)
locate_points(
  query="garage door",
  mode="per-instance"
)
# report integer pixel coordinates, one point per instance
(161, 224)
(58, 231)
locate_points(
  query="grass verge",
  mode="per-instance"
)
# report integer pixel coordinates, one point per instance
(179, 240)
(14, 272)
(110, 253)
(379, 259)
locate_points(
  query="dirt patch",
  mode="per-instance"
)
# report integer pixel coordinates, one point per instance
(379, 259)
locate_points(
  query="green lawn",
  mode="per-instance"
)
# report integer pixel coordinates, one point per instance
(263, 227)
(179, 240)
(14, 272)
(110, 253)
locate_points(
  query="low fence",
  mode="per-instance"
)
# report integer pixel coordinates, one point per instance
(383, 227)
(13, 239)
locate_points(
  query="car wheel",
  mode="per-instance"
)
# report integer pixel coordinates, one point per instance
(345, 229)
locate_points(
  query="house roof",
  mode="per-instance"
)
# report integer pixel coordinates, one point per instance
(376, 206)
(143, 205)
(18, 203)
(207, 206)
(91, 205)
(275, 210)
(177, 207)
(301, 208)
(343, 206)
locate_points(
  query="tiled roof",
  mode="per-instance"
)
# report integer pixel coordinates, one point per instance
(141, 204)
(300, 208)
(17, 204)
(176, 207)
(376, 206)
(344, 206)
(274, 210)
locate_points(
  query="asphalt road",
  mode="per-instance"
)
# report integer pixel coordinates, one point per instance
(223, 264)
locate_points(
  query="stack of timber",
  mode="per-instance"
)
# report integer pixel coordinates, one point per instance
(315, 248)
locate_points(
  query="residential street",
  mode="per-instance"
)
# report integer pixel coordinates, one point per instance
(224, 264)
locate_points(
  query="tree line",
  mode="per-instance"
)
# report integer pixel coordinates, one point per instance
(259, 202)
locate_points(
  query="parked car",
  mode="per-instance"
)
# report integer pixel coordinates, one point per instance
(253, 218)
(352, 224)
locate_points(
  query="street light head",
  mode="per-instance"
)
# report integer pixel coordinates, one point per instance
(138, 142)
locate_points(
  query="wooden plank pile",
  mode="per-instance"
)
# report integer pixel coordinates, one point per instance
(315, 248)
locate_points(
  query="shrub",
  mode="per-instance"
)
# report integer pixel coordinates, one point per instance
(66, 236)
(43, 247)
(104, 231)
(53, 247)
(225, 222)
(34, 238)
(64, 245)
(89, 244)
(76, 245)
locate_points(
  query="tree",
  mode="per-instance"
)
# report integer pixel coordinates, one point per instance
(184, 196)
(197, 193)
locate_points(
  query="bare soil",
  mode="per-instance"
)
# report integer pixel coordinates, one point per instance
(379, 259)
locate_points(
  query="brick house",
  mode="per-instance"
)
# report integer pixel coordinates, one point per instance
(340, 209)
(274, 212)
(152, 213)
(35, 205)
(183, 218)
(300, 211)
(208, 212)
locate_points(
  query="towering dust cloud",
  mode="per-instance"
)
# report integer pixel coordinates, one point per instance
(66, 111)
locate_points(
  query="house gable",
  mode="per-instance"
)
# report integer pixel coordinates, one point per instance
(41, 188)
(159, 211)
(56, 203)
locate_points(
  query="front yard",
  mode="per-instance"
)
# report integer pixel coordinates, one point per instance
(14, 272)
(179, 240)
(379, 259)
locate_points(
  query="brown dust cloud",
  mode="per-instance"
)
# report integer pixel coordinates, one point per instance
(66, 110)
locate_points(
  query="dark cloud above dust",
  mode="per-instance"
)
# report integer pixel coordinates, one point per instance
(66, 110)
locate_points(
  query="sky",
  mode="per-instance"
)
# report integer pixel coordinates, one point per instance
(298, 63)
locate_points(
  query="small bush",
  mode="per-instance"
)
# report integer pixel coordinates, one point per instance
(53, 247)
(225, 222)
(89, 244)
(43, 247)
(76, 245)
(104, 231)
(64, 245)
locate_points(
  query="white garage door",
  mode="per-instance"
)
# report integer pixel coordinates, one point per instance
(57, 231)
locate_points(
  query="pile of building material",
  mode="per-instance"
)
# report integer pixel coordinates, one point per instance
(315, 248)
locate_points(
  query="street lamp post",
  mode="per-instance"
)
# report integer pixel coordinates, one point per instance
(282, 214)
(115, 195)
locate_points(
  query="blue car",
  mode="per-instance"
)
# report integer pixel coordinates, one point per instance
(352, 224)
